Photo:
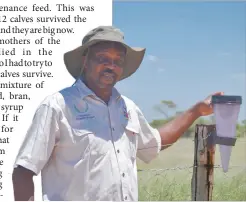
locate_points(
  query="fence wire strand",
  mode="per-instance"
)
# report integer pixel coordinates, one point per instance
(168, 145)
(156, 175)
(172, 181)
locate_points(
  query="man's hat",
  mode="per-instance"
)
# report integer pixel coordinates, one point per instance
(134, 56)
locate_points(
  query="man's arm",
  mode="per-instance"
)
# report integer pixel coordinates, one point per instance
(174, 129)
(23, 185)
(152, 140)
(35, 151)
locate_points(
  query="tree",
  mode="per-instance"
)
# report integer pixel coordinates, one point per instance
(241, 129)
(165, 106)
(244, 122)
(159, 122)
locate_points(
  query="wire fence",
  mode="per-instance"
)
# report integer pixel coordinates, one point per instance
(169, 177)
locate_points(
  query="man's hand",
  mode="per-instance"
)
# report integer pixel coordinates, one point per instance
(23, 184)
(174, 129)
(204, 108)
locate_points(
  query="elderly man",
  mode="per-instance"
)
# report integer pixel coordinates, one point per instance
(85, 138)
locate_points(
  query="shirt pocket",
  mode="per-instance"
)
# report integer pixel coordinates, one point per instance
(98, 144)
(74, 147)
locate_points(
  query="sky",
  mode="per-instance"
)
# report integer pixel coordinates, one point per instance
(192, 50)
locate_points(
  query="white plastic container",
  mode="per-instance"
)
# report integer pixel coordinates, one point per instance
(226, 110)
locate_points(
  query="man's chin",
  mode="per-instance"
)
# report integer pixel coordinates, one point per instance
(107, 84)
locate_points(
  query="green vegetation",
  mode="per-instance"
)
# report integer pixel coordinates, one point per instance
(169, 111)
(168, 177)
(172, 178)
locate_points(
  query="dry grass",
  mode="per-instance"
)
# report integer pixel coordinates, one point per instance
(176, 184)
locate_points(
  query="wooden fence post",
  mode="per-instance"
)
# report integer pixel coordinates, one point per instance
(203, 170)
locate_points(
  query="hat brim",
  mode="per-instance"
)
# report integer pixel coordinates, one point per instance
(74, 65)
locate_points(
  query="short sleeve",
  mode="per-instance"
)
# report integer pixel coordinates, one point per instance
(40, 140)
(149, 142)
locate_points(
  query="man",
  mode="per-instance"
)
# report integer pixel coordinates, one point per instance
(85, 138)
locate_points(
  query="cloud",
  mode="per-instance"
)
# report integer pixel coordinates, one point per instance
(152, 58)
(156, 62)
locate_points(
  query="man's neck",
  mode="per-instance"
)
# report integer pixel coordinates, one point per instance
(103, 93)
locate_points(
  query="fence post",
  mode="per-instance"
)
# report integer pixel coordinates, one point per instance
(203, 172)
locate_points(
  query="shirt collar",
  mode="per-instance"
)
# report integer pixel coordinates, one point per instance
(85, 91)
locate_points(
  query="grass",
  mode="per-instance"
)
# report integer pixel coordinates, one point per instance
(175, 184)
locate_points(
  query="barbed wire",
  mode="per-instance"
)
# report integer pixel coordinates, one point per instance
(168, 145)
(159, 172)
(188, 167)
(151, 194)
(172, 182)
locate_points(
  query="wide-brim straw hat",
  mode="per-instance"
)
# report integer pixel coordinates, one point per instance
(134, 55)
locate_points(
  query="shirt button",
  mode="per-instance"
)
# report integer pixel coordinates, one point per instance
(112, 129)
(123, 174)
(118, 151)
(125, 197)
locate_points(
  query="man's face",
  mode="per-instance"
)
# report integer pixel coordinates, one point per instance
(104, 64)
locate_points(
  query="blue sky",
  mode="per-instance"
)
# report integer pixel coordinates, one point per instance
(193, 49)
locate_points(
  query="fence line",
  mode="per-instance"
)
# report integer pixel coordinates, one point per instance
(167, 145)
(187, 188)
(186, 167)
(159, 172)
(165, 178)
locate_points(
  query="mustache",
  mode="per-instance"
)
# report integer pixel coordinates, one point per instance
(109, 71)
